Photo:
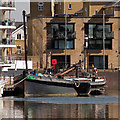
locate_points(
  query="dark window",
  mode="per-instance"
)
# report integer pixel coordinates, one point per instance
(95, 36)
(58, 36)
(96, 12)
(18, 49)
(40, 6)
(97, 61)
(60, 44)
(98, 44)
(69, 6)
(19, 36)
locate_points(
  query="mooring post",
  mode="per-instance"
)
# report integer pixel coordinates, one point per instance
(77, 74)
(10, 80)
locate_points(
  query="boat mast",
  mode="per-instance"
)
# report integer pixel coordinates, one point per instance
(25, 40)
(103, 40)
(65, 40)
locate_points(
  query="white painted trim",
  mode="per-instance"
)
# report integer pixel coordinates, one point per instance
(7, 27)
(7, 46)
(8, 8)
(17, 29)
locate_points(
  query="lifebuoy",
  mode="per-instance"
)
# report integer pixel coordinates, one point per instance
(77, 84)
(95, 70)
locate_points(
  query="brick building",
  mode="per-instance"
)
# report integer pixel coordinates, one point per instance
(82, 23)
(18, 35)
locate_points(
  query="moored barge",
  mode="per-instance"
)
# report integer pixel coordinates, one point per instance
(41, 85)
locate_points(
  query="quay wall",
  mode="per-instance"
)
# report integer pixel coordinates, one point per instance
(113, 79)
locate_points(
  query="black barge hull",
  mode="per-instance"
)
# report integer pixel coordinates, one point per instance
(45, 88)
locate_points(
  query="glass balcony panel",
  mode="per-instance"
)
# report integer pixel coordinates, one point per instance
(7, 60)
(7, 41)
(4, 3)
(71, 35)
(108, 35)
(98, 41)
(4, 41)
(11, 41)
(61, 35)
(98, 35)
(7, 22)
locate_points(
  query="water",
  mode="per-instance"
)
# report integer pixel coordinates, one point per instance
(103, 106)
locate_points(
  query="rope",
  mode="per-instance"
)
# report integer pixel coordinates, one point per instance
(19, 82)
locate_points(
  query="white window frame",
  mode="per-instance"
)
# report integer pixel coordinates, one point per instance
(96, 11)
(40, 6)
(19, 50)
(19, 36)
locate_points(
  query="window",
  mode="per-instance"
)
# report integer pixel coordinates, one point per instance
(107, 11)
(58, 31)
(40, 6)
(58, 36)
(95, 11)
(86, 11)
(18, 49)
(69, 6)
(97, 61)
(112, 11)
(95, 36)
(60, 44)
(19, 36)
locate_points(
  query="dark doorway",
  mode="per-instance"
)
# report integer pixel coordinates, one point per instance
(97, 61)
(61, 61)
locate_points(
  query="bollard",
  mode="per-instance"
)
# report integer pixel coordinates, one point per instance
(37, 65)
(10, 80)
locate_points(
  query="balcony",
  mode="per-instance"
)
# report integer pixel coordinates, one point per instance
(7, 43)
(7, 24)
(10, 5)
(61, 35)
(7, 60)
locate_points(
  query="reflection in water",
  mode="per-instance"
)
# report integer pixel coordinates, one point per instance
(36, 109)
(11, 109)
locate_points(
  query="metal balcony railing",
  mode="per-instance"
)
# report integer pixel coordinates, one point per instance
(7, 60)
(7, 22)
(4, 3)
(7, 41)
(11, 41)
(61, 35)
(108, 35)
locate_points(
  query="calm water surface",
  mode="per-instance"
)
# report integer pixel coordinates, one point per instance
(103, 106)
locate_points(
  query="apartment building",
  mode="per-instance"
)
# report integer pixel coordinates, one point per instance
(73, 31)
(7, 24)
